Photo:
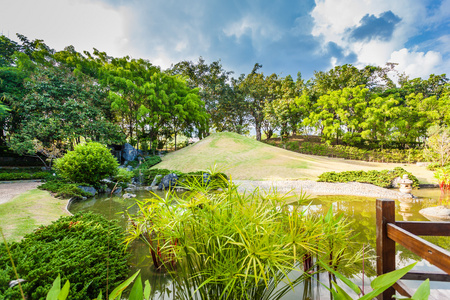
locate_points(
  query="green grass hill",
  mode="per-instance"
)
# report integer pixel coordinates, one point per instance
(246, 158)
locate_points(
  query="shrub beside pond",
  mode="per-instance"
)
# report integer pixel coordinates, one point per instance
(380, 178)
(85, 249)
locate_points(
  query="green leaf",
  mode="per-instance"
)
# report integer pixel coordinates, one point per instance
(340, 294)
(390, 278)
(64, 291)
(423, 292)
(100, 296)
(117, 292)
(147, 290)
(136, 291)
(347, 281)
(54, 291)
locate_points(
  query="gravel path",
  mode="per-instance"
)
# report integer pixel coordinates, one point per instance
(320, 188)
(9, 190)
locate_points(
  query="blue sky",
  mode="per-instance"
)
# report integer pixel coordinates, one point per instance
(286, 37)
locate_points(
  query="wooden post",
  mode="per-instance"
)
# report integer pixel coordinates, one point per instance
(385, 246)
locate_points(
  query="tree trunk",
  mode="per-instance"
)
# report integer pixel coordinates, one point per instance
(258, 130)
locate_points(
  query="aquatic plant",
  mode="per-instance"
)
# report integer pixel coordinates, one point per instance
(228, 245)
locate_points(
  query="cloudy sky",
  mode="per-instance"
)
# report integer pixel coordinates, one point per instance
(285, 36)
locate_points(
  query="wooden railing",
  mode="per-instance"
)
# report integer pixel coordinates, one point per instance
(406, 234)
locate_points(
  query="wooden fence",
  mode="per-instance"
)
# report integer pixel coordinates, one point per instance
(406, 234)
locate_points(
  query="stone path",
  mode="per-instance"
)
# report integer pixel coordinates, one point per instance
(320, 188)
(9, 190)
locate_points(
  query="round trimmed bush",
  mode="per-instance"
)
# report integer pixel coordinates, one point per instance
(88, 163)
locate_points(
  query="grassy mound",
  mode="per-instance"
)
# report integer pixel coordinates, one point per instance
(246, 158)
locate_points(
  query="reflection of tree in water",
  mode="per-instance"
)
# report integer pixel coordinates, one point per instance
(361, 211)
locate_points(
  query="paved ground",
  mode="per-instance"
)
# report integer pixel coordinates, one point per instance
(9, 190)
(320, 188)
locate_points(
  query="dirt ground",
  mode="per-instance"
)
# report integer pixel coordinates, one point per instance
(9, 190)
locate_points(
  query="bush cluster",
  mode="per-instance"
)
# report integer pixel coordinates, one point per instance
(23, 175)
(85, 249)
(150, 174)
(147, 162)
(349, 152)
(380, 178)
(63, 189)
(88, 163)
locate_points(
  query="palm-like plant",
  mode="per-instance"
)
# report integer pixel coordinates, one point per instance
(227, 245)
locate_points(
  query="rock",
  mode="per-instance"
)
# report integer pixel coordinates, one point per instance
(13, 283)
(129, 152)
(395, 181)
(438, 213)
(206, 178)
(88, 189)
(149, 188)
(118, 190)
(168, 181)
(129, 168)
(107, 181)
(128, 196)
(422, 164)
(156, 180)
(130, 189)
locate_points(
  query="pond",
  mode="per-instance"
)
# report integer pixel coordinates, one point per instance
(359, 209)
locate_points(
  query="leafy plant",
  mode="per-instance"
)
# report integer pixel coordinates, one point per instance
(380, 178)
(379, 285)
(23, 176)
(63, 189)
(137, 291)
(88, 163)
(227, 245)
(123, 175)
(85, 249)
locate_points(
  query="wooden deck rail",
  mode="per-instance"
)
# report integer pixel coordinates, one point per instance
(390, 232)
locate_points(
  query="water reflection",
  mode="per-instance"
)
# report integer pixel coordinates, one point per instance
(360, 210)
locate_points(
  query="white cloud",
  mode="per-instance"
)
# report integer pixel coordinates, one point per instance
(416, 64)
(333, 20)
(255, 27)
(61, 23)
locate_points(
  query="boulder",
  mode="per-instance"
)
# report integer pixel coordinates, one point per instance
(128, 196)
(88, 189)
(118, 190)
(206, 178)
(129, 152)
(395, 182)
(438, 213)
(168, 181)
(156, 180)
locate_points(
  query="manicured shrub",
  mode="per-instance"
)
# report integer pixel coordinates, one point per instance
(123, 175)
(380, 178)
(88, 163)
(63, 189)
(85, 249)
(23, 176)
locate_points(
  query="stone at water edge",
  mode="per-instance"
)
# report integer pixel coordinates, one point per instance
(438, 213)
(156, 180)
(128, 196)
(118, 190)
(88, 189)
(168, 181)
(129, 153)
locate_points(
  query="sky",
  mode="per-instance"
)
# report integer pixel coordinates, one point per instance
(284, 36)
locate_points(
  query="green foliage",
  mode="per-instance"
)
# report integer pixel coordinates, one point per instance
(123, 175)
(63, 189)
(437, 147)
(85, 249)
(380, 178)
(378, 285)
(227, 245)
(149, 161)
(138, 292)
(23, 176)
(88, 163)
(349, 152)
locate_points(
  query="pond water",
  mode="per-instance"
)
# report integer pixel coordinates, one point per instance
(359, 209)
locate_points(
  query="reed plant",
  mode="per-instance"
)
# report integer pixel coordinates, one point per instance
(228, 245)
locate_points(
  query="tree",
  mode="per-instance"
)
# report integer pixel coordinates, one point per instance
(57, 111)
(437, 147)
